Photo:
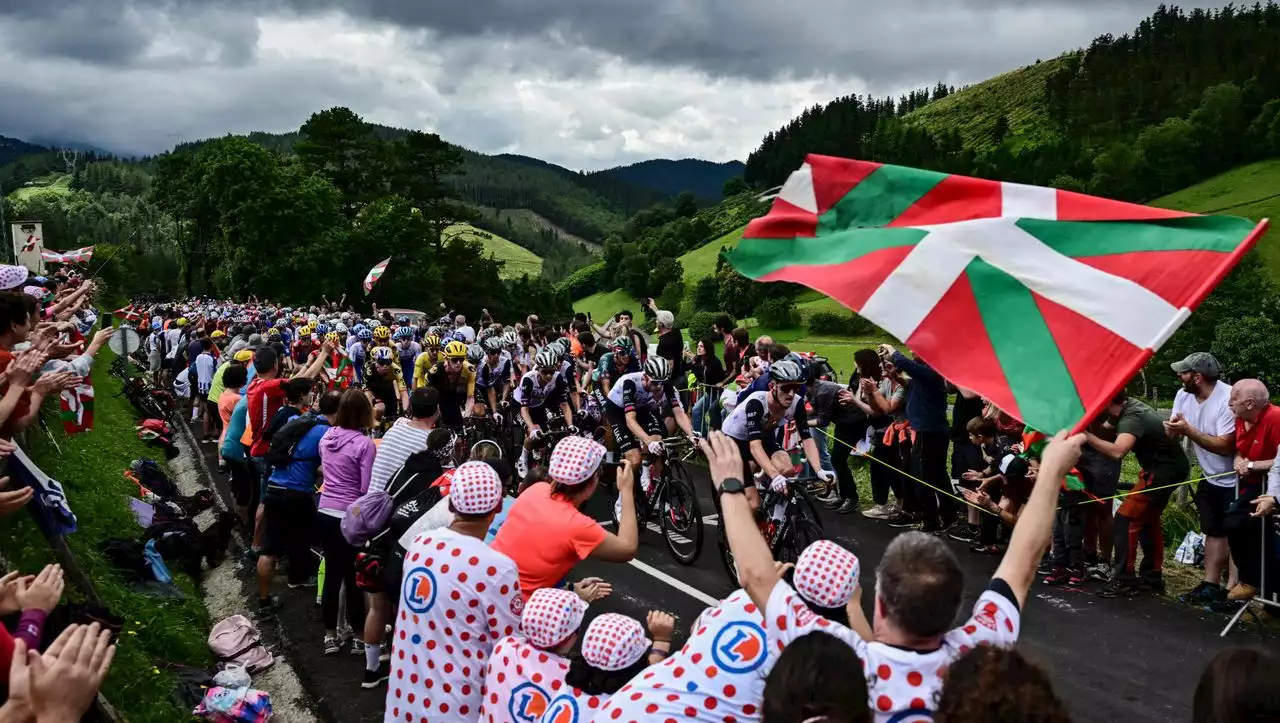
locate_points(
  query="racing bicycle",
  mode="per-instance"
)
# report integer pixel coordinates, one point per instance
(673, 500)
(800, 526)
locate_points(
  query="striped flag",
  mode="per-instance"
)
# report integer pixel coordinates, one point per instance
(127, 313)
(375, 273)
(78, 256)
(1044, 301)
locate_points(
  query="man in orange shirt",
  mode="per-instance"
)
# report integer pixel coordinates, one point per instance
(545, 533)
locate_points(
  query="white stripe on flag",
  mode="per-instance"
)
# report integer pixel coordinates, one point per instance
(798, 190)
(1021, 201)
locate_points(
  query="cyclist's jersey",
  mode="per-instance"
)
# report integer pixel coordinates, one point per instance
(567, 373)
(488, 377)
(749, 421)
(422, 365)
(386, 388)
(608, 368)
(630, 394)
(303, 348)
(532, 393)
(453, 394)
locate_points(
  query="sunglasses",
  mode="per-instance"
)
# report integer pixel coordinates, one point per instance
(789, 388)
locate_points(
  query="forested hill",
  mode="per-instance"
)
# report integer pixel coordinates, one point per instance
(704, 179)
(1182, 97)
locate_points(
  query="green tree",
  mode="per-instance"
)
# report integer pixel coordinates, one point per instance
(706, 294)
(337, 144)
(734, 186)
(1249, 348)
(665, 272)
(686, 205)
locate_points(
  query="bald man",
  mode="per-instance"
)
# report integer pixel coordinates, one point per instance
(1257, 440)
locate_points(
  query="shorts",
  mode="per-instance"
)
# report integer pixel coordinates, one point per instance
(288, 519)
(1213, 503)
(211, 409)
(771, 447)
(537, 414)
(622, 435)
(244, 482)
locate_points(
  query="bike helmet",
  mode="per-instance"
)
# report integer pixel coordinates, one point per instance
(364, 334)
(431, 341)
(493, 344)
(382, 354)
(786, 372)
(403, 332)
(331, 337)
(382, 332)
(475, 353)
(801, 361)
(658, 369)
(510, 339)
(322, 329)
(282, 322)
(402, 320)
(304, 330)
(547, 359)
(455, 350)
(340, 328)
(622, 345)
(273, 331)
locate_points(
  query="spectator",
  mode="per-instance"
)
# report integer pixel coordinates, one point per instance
(671, 347)
(888, 400)
(1164, 466)
(266, 394)
(918, 589)
(346, 461)
(244, 487)
(810, 682)
(966, 456)
(883, 476)
(998, 685)
(17, 319)
(1238, 686)
(711, 378)
(204, 365)
(59, 685)
(1101, 477)
(546, 534)
(1257, 437)
(455, 573)
(746, 350)
(34, 596)
(926, 409)
(834, 404)
(1202, 414)
(460, 326)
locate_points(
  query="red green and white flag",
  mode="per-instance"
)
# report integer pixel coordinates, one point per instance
(375, 273)
(1044, 301)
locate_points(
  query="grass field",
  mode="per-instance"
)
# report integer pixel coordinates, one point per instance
(52, 183)
(516, 260)
(1251, 191)
(156, 631)
(701, 261)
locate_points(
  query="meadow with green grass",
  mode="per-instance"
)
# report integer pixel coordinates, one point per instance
(52, 183)
(516, 260)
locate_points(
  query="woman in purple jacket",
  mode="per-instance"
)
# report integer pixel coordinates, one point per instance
(346, 460)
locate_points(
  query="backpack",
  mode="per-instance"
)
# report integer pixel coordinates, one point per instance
(148, 474)
(127, 557)
(179, 542)
(367, 517)
(280, 451)
(236, 640)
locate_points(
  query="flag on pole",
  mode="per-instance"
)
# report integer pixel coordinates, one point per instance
(78, 256)
(1044, 301)
(375, 273)
(128, 313)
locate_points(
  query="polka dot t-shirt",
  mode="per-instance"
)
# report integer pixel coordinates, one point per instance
(901, 684)
(521, 681)
(458, 597)
(717, 677)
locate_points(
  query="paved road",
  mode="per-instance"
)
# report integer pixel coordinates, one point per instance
(1136, 660)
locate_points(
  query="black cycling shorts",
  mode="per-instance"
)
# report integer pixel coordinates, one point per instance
(622, 435)
(771, 446)
(537, 414)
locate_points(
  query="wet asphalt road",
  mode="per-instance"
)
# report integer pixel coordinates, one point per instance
(1136, 660)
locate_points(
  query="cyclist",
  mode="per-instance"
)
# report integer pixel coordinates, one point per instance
(568, 371)
(429, 357)
(357, 349)
(407, 350)
(538, 388)
(758, 420)
(619, 360)
(382, 336)
(455, 379)
(638, 408)
(493, 379)
(305, 344)
(385, 385)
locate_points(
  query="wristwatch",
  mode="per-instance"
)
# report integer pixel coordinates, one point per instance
(732, 486)
(1249, 466)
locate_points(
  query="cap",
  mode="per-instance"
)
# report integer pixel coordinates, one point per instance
(826, 574)
(475, 489)
(11, 277)
(1198, 361)
(36, 291)
(574, 460)
(244, 355)
(551, 615)
(614, 642)
(255, 340)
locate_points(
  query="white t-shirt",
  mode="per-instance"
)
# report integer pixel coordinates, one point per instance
(719, 674)
(457, 598)
(401, 441)
(1213, 417)
(182, 383)
(900, 681)
(521, 681)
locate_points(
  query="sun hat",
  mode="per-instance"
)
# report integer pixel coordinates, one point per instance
(826, 574)
(574, 460)
(476, 489)
(614, 642)
(11, 277)
(551, 615)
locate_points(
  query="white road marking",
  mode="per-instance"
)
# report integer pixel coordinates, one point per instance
(689, 590)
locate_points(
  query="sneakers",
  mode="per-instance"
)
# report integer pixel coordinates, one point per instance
(1119, 588)
(963, 532)
(357, 647)
(1076, 577)
(902, 521)
(1101, 571)
(1154, 585)
(983, 548)
(1242, 593)
(1057, 577)
(309, 582)
(847, 507)
(881, 512)
(1046, 567)
(331, 645)
(374, 678)
(830, 500)
(1206, 593)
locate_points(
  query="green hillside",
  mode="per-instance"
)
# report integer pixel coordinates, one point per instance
(516, 261)
(1017, 95)
(605, 304)
(701, 261)
(52, 183)
(1251, 191)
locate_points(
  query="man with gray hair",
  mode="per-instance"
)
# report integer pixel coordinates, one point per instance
(460, 326)
(671, 348)
(919, 586)
(1257, 436)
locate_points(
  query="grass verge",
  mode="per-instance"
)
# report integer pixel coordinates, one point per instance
(156, 631)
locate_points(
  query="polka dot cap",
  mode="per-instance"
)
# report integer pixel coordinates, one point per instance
(614, 642)
(826, 574)
(11, 277)
(476, 489)
(551, 615)
(36, 291)
(575, 459)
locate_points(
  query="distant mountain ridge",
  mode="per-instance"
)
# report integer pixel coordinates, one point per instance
(704, 179)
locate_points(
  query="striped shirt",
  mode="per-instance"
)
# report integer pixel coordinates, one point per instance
(401, 441)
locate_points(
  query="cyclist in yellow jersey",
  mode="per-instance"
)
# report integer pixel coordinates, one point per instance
(429, 357)
(455, 379)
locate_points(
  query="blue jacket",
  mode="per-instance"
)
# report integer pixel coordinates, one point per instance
(300, 474)
(926, 396)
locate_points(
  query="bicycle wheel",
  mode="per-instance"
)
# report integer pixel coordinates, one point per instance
(804, 527)
(679, 516)
(726, 557)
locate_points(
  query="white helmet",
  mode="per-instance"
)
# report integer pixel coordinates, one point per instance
(658, 368)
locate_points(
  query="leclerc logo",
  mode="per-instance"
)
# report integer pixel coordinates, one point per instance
(739, 647)
(562, 710)
(419, 590)
(914, 715)
(527, 703)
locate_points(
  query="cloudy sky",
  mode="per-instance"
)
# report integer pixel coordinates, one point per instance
(585, 83)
